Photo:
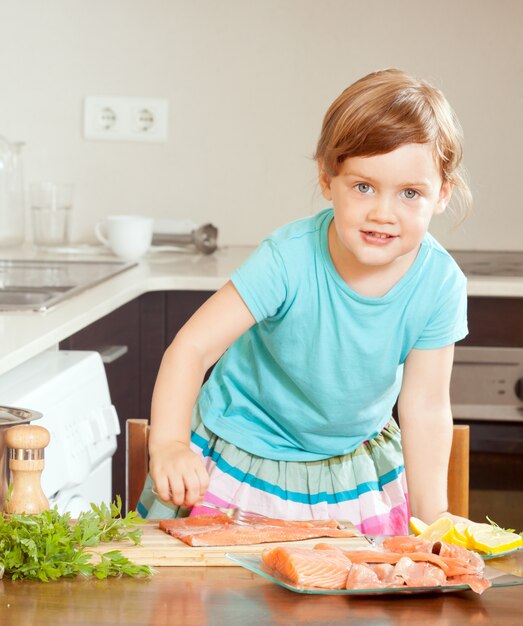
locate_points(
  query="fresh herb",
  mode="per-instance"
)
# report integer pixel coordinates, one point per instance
(507, 530)
(105, 523)
(48, 545)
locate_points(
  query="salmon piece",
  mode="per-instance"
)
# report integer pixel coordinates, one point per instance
(473, 561)
(407, 544)
(466, 558)
(216, 519)
(372, 569)
(421, 574)
(236, 535)
(220, 530)
(476, 583)
(451, 566)
(327, 569)
(384, 571)
(362, 576)
(405, 572)
(318, 523)
(386, 574)
(326, 546)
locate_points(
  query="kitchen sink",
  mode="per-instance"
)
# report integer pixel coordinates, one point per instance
(38, 285)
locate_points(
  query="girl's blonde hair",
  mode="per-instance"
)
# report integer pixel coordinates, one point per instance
(388, 109)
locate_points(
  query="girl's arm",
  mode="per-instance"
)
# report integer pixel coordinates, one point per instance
(426, 429)
(177, 472)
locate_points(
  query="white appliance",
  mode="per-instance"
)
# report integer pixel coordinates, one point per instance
(70, 389)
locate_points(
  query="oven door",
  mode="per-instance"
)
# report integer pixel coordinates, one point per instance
(487, 384)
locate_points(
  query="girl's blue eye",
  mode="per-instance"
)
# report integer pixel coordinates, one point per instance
(363, 187)
(410, 194)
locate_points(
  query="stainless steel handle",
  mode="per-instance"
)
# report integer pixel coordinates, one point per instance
(110, 354)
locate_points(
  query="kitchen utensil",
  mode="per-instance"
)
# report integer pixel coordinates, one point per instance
(245, 518)
(128, 236)
(12, 209)
(204, 239)
(51, 206)
(234, 513)
(10, 416)
(26, 462)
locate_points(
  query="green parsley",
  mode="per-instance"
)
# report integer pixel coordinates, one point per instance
(507, 530)
(48, 546)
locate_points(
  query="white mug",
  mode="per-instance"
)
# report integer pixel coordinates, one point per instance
(128, 236)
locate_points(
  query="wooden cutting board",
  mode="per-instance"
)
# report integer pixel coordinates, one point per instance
(157, 548)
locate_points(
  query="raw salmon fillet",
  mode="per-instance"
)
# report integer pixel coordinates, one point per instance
(449, 550)
(419, 574)
(328, 569)
(451, 566)
(475, 582)
(362, 576)
(380, 567)
(220, 530)
(197, 523)
(407, 544)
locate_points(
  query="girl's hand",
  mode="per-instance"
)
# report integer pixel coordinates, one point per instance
(178, 474)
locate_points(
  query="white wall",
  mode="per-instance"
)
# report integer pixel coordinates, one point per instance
(248, 83)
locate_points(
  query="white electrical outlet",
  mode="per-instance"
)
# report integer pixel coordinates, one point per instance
(114, 118)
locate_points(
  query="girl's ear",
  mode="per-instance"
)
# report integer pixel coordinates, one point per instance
(445, 195)
(325, 182)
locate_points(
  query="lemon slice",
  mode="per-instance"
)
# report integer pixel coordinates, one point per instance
(417, 526)
(458, 541)
(493, 540)
(460, 530)
(474, 528)
(460, 535)
(440, 530)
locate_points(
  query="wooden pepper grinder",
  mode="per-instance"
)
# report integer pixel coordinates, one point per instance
(26, 462)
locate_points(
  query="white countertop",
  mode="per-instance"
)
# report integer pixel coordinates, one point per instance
(26, 334)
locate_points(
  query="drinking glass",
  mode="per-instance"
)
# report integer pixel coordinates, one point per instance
(51, 207)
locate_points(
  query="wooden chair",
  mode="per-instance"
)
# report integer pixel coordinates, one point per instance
(137, 462)
(458, 479)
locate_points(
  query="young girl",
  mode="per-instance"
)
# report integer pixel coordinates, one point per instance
(331, 320)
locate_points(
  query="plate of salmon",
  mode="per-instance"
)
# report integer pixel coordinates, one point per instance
(397, 565)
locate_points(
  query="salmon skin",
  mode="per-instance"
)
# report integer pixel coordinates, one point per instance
(398, 563)
(220, 530)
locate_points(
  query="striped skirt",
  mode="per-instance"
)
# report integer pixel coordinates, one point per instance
(367, 486)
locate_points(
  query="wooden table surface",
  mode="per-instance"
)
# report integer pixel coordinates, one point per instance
(212, 596)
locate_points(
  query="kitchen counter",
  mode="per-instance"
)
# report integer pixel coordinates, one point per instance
(26, 334)
(197, 596)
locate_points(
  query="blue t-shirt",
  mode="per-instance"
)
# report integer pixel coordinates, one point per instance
(320, 371)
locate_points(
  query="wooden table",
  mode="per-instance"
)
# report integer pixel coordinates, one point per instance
(212, 596)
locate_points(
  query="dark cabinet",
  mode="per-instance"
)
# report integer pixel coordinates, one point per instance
(133, 339)
(120, 328)
(153, 341)
(162, 314)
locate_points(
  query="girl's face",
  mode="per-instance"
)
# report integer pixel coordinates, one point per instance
(383, 205)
